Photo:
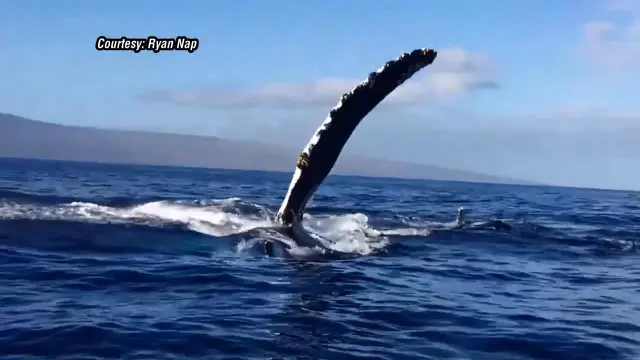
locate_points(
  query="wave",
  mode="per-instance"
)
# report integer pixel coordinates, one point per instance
(217, 218)
(250, 224)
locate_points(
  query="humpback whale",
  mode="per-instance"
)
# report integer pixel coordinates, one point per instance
(321, 153)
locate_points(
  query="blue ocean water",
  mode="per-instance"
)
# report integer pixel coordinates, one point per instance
(136, 262)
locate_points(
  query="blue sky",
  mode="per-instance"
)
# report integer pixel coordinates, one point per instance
(562, 107)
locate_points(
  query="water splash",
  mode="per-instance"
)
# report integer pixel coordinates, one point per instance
(217, 218)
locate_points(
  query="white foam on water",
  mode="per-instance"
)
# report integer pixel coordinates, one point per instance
(349, 233)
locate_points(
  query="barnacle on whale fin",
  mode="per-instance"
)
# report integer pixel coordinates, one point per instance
(428, 51)
(303, 161)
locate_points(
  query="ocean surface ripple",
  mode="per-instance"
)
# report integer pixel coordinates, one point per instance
(137, 262)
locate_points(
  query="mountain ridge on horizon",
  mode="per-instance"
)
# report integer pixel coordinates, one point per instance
(21, 137)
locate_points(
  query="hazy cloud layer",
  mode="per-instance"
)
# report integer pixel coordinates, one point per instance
(454, 73)
(616, 44)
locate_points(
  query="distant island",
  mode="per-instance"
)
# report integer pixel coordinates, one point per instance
(32, 139)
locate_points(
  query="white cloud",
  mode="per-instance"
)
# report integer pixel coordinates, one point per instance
(454, 73)
(616, 44)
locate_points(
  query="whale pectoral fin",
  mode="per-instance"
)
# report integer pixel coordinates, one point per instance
(289, 217)
(321, 152)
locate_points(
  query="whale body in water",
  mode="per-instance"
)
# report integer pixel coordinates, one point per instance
(321, 153)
